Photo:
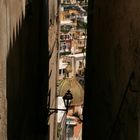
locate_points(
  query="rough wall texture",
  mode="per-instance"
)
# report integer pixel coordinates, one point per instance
(25, 65)
(7, 27)
(111, 109)
(26, 78)
(53, 63)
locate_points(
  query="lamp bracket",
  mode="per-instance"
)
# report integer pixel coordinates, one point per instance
(54, 110)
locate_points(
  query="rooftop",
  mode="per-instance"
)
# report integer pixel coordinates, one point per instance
(75, 87)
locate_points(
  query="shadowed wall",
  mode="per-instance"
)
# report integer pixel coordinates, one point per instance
(27, 82)
(111, 110)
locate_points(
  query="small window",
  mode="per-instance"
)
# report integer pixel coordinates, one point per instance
(59, 71)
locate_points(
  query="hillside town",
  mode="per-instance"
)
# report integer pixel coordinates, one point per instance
(72, 54)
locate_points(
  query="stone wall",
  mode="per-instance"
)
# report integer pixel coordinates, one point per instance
(111, 110)
(25, 65)
(53, 36)
(8, 22)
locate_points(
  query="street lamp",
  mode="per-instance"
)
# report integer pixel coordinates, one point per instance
(67, 98)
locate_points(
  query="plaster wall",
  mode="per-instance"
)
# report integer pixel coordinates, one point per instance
(112, 71)
(7, 27)
(53, 47)
(24, 69)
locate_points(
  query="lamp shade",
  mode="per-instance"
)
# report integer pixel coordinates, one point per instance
(67, 98)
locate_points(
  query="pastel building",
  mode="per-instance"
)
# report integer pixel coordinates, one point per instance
(74, 115)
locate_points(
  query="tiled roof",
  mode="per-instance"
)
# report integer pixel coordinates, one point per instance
(76, 89)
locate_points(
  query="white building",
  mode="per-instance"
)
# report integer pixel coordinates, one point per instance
(76, 61)
(61, 120)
